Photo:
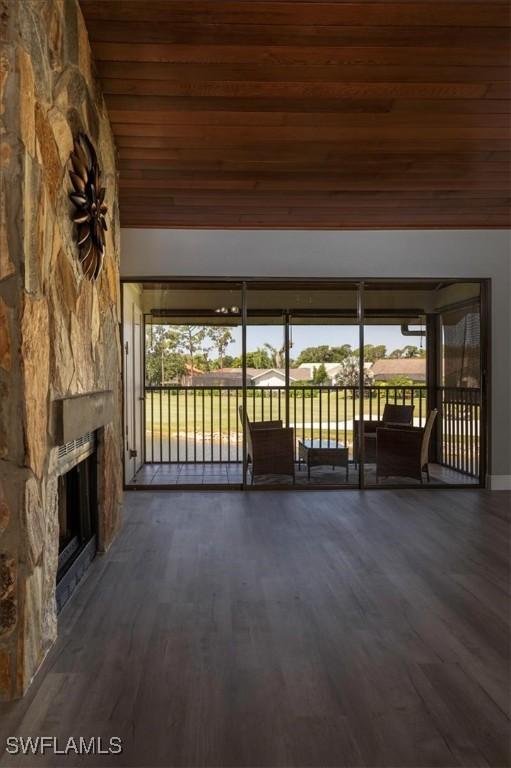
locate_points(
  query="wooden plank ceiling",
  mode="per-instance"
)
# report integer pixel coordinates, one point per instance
(258, 114)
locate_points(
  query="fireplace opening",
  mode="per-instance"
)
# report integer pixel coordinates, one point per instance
(77, 499)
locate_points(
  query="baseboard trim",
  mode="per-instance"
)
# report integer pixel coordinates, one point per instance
(499, 482)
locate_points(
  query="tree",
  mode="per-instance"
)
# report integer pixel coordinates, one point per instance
(276, 356)
(190, 341)
(410, 350)
(373, 352)
(321, 354)
(339, 354)
(221, 338)
(348, 375)
(320, 376)
(202, 361)
(163, 362)
(228, 362)
(258, 358)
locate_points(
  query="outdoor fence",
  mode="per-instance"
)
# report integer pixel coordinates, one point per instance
(201, 424)
(460, 432)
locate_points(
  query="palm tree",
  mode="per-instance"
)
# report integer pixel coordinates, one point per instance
(277, 355)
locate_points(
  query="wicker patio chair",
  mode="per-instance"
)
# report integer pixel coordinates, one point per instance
(270, 447)
(404, 451)
(392, 415)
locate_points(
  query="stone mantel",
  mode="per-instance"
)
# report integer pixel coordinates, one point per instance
(78, 414)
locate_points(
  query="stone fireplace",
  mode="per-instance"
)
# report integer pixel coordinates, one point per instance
(60, 355)
(78, 512)
(79, 423)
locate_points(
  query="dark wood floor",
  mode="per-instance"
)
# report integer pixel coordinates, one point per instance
(287, 629)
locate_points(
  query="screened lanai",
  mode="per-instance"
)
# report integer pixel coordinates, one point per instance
(353, 378)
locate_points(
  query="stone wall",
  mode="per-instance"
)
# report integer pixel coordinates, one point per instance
(59, 333)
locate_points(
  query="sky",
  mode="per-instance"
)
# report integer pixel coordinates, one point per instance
(315, 335)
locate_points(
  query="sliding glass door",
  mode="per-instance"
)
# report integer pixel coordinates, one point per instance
(398, 426)
(194, 385)
(302, 382)
(460, 394)
(323, 384)
(310, 384)
(423, 396)
(268, 439)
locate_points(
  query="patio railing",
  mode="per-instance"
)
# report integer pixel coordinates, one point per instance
(186, 424)
(460, 429)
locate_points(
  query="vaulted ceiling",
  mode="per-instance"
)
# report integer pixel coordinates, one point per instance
(293, 114)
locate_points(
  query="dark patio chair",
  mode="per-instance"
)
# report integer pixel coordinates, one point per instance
(404, 451)
(392, 415)
(270, 447)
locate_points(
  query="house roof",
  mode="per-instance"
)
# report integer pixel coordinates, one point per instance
(250, 371)
(313, 366)
(411, 367)
(219, 379)
(233, 376)
(401, 366)
(295, 374)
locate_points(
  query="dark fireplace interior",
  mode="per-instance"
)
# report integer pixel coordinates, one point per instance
(77, 515)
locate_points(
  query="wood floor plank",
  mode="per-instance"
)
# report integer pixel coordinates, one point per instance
(287, 629)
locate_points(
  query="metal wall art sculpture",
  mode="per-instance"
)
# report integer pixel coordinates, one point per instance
(88, 198)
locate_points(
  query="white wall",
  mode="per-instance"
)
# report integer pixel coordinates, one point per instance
(270, 380)
(346, 254)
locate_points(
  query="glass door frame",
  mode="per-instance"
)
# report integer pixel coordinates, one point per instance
(359, 286)
(357, 320)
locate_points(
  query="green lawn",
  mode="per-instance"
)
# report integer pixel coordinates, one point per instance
(202, 413)
(201, 426)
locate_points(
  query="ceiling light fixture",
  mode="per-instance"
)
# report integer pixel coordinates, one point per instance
(226, 311)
